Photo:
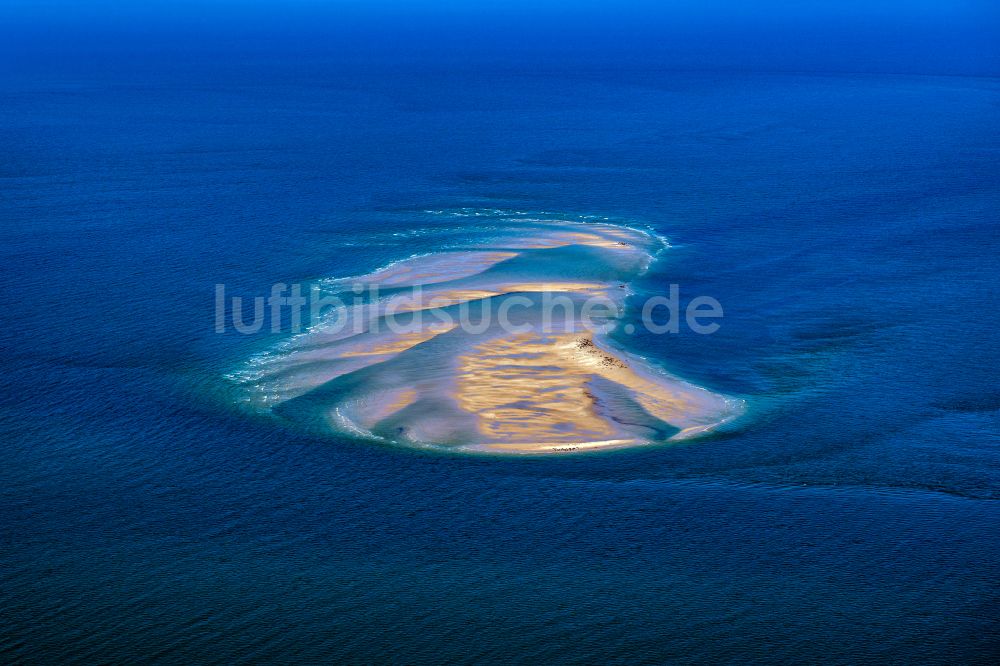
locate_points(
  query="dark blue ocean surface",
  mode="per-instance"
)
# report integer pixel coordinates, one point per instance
(847, 222)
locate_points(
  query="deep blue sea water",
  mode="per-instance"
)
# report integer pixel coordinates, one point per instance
(846, 221)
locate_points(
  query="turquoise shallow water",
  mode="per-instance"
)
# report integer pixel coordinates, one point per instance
(845, 222)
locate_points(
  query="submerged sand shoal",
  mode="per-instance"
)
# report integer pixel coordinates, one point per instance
(434, 384)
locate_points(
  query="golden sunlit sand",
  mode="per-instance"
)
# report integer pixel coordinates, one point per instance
(534, 393)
